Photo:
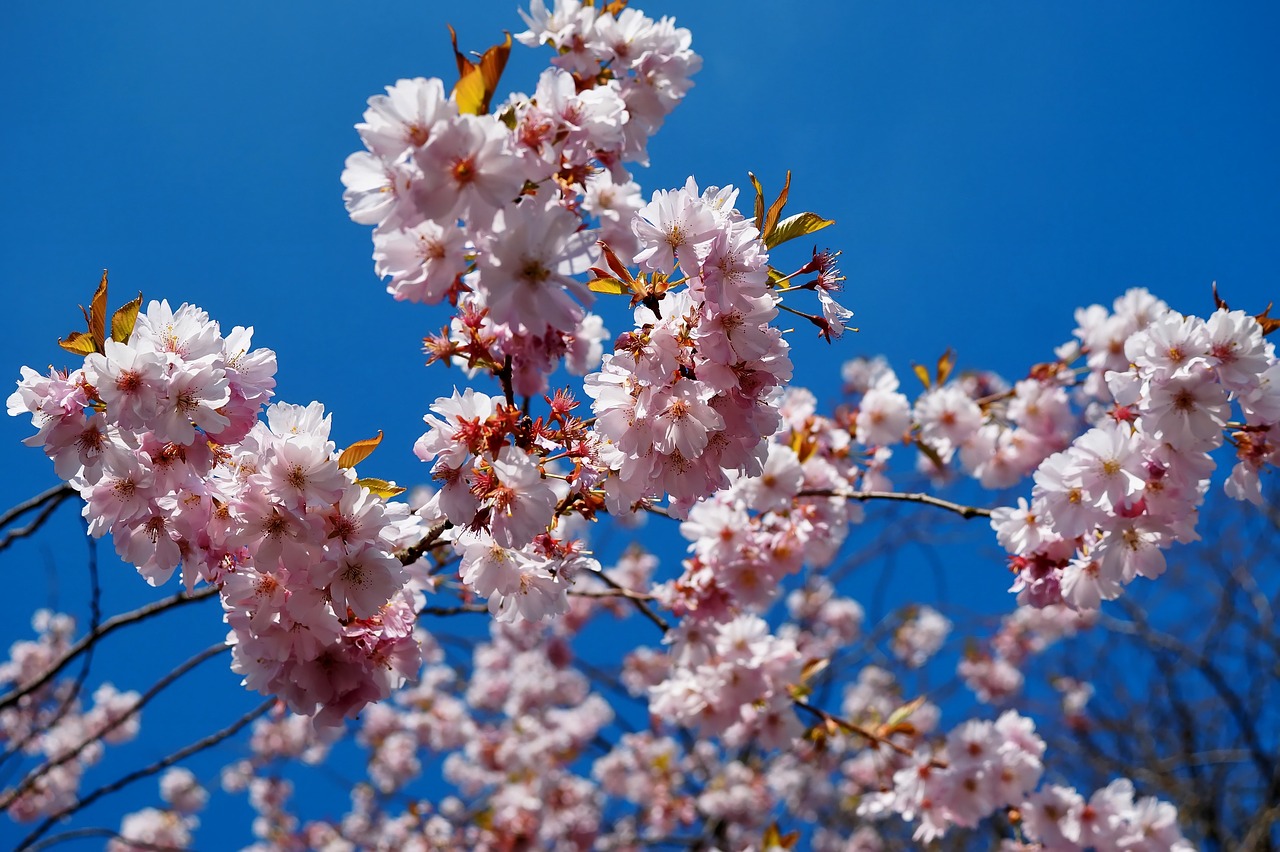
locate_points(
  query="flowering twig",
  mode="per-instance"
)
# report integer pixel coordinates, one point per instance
(95, 619)
(865, 733)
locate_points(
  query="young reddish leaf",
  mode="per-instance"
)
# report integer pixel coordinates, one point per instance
(1268, 323)
(615, 263)
(946, 363)
(607, 284)
(98, 314)
(799, 225)
(79, 343)
(755, 181)
(812, 668)
(477, 81)
(123, 320)
(1264, 319)
(922, 373)
(380, 487)
(775, 209)
(904, 712)
(1218, 301)
(359, 451)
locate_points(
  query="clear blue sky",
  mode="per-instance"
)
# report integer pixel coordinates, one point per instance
(991, 166)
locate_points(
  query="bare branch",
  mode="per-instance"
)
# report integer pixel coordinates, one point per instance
(865, 733)
(452, 610)
(410, 555)
(46, 502)
(960, 509)
(58, 493)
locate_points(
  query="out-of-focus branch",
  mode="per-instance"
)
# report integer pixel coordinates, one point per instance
(1138, 625)
(639, 602)
(865, 733)
(40, 771)
(80, 833)
(453, 610)
(95, 619)
(29, 842)
(109, 626)
(610, 593)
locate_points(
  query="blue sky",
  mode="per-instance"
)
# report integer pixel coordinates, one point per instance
(991, 166)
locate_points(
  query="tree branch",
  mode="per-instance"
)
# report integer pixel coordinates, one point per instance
(960, 509)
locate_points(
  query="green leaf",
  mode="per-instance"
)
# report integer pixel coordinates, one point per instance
(799, 225)
(123, 320)
(359, 451)
(380, 487)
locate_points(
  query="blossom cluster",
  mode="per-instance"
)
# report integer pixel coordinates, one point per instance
(1160, 388)
(497, 212)
(687, 396)
(159, 433)
(503, 214)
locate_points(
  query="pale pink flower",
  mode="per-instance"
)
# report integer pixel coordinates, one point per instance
(468, 171)
(403, 119)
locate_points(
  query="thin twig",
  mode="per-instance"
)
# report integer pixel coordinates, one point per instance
(452, 610)
(160, 765)
(50, 506)
(410, 555)
(640, 604)
(79, 833)
(57, 493)
(611, 593)
(960, 509)
(865, 733)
